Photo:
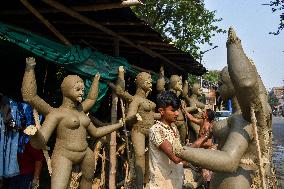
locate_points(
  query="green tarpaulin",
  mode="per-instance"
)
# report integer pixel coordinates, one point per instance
(83, 61)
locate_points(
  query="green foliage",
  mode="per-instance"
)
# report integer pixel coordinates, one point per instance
(212, 76)
(272, 100)
(192, 79)
(278, 6)
(186, 23)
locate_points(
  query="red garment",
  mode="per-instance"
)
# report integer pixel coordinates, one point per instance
(28, 158)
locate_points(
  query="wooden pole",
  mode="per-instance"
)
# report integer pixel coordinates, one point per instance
(45, 22)
(92, 23)
(97, 7)
(112, 172)
(84, 8)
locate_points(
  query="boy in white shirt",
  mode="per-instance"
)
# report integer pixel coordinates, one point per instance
(166, 171)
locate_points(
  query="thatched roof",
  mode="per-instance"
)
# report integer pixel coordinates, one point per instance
(82, 23)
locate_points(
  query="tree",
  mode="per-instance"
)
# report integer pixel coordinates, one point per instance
(209, 79)
(278, 6)
(192, 79)
(273, 100)
(212, 77)
(186, 23)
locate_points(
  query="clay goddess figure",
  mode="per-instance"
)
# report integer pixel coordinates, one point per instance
(242, 160)
(193, 101)
(140, 130)
(72, 126)
(175, 85)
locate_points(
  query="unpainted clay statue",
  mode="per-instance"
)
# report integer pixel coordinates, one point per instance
(193, 101)
(188, 107)
(235, 163)
(176, 86)
(72, 126)
(140, 130)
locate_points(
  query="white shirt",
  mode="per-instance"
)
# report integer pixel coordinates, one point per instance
(164, 173)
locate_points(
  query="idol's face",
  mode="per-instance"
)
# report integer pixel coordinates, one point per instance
(144, 81)
(178, 86)
(77, 92)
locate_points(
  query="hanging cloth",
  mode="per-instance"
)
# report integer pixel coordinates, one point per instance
(2, 144)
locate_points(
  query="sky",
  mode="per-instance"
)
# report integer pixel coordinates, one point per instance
(252, 22)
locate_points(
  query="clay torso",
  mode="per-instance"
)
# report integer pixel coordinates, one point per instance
(180, 118)
(146, 109)
(72, 130)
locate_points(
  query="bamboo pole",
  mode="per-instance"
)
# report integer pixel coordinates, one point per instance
(84, 8)
(126, 180)
(97, 7)
(103, 174)
(112, 173)
(92, 23)
(45, 22)
(112, 153)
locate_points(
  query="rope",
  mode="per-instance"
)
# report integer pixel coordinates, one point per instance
(45, 152)
(260, 159)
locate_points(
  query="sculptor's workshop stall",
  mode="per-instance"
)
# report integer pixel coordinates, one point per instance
(83, 38)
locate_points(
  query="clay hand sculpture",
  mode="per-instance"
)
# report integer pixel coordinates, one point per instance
(72, 126)
(119, 87)
(161, 80)
(237, 163)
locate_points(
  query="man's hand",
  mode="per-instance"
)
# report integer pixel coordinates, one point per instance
(30, 61)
